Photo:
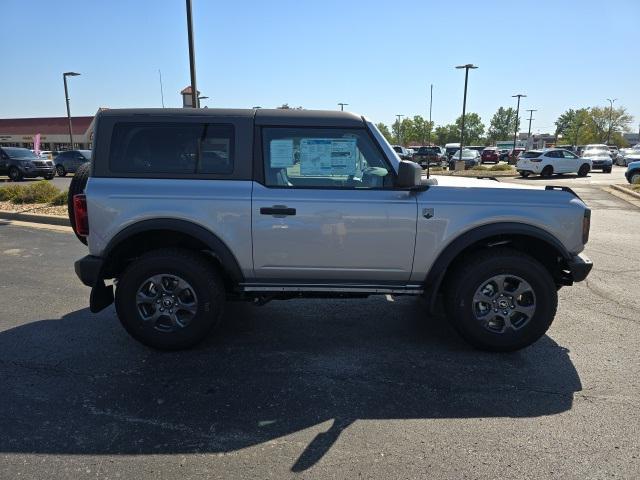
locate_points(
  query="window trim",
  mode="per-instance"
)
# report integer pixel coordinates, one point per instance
(259, 158)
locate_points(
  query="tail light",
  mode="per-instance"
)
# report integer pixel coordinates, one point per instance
(81, 215)
(586, 226)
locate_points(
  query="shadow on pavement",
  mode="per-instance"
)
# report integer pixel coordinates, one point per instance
(80, 385)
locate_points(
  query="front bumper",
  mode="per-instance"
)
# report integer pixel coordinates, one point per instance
(38, 172)
(88, 270)
(579, 266)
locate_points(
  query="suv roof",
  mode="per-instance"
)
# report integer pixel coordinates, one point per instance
(262, 116)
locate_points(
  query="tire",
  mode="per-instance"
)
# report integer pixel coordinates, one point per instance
(206, 291)
(634, 178)
(583, 171)
(524, 174)
(547, 171)
(61, 171)
(516, 267)
(49, 177)
(606, 170)
(78, 184)
(15, 175)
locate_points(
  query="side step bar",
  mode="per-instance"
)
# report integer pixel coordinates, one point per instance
(366, 289)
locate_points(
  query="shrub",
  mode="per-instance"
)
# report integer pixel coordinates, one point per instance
(39, 192)
(479, 167)
(60, 198)
(9, 192)
(637, 181)
(501, 167)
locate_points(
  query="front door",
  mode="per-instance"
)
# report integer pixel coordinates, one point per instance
(326, 211)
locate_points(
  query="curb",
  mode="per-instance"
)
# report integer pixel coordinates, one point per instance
(34, 218)
(626, 190)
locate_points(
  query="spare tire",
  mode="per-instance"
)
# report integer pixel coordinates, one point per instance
(78, 183)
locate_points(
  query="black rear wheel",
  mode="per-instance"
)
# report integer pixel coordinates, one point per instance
(15, 174)
(77, 186)
(547, 171)
(584, 170)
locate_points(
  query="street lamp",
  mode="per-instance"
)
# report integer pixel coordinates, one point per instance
(610, 117)
(399, 117)
(515, 130)
(192, 57)
(66, 97)
(201, 97)
(530, 118)
(342, 105)
(464, 101)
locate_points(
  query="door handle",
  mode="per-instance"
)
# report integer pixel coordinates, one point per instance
(277, 210)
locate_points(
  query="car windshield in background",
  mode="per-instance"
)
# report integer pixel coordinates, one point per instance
(596, 151)
(465, 154)
(20, 153)
(86, 154)
(531, 154)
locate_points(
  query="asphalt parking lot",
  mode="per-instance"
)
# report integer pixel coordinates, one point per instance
(319, 388)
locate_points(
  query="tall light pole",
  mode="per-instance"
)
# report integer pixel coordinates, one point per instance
(66, 97)
(515, 130)
(342, 105)
(399, 117)
(430, 126)
(530, 118)
(464, 101)
(610, 117)
(192, 58)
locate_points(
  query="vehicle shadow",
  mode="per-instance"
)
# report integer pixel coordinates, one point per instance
(80, 385)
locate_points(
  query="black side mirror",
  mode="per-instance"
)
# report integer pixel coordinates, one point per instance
(409, 175)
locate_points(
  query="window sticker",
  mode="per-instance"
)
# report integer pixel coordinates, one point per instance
(281, 153)
(327, 156)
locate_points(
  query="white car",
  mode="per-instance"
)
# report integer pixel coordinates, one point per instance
(548, 162)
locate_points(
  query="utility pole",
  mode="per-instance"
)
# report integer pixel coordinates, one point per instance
(530, 118)
(515, 133)
(161, 91)
(192, 59)
(399, 128)
(464, 101)
(342, 105)
(66, 97)
(430, 125)
(610, 117)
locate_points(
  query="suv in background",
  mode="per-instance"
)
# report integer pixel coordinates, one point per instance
(490, 154)
(19, 163)
(402, 152)
(633, 173)
(600, 157)
(71, 160)
(188, 209)
(431, 155)
(551, 161)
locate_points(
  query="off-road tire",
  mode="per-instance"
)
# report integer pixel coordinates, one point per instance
(466, 278)
(77, 186)
(191, 266)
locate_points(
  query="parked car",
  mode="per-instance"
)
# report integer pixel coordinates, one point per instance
(432, 155)
(490, 154)
(19, 163)
(402, 152)
(514, 153)
(318, 205)
(470, 157)
(633, 172)
(614, 152)
(478, 148)
(600, 157)
(70, 161)
(451, 148)
(504, 154)
(628, 155)
(47, 154)
(554, 160)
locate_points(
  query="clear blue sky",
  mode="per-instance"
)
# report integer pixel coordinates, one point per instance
(379, 57)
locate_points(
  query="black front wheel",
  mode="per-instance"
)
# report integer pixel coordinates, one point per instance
(170, 299)
(15, 175)
(60, 170)
(501, 300)
(584, 170)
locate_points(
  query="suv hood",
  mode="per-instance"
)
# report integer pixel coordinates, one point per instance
(470, 182)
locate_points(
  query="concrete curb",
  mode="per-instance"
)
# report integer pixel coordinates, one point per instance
(626, 190)
(34, 218)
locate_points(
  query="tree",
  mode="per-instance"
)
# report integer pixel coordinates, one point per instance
(473, 128)
(575, 127)
(502, 125)
(605, 120)
(384, 130)
(420, 130)
(591, 125)
(444, 134)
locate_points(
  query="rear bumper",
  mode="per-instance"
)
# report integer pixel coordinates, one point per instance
(88, 270)
(579, 266)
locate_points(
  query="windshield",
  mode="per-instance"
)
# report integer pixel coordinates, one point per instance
(596, 151)
(465, 154)
(86, 154)
(20, 153)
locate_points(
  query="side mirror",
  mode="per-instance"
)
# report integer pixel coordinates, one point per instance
(409, 175)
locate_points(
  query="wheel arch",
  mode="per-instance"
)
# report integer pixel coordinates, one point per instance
(145, 235)
(532, 240)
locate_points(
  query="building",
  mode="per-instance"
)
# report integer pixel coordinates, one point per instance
(538, 140)
(631, 138)
(54, 132)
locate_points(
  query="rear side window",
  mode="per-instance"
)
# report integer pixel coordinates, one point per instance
(531, 154)
(172, 148)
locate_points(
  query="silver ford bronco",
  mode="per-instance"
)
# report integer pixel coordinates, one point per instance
(185, 210)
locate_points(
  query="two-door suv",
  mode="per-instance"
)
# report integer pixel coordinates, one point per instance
(188, 209)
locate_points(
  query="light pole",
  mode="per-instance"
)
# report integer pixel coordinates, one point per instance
(464, 101)
(610, 117)
(430, 126)
(66, 97)
(201, 97)
(399, 117)
(515, 130)
(342, 105)
(192, 58)
(530, 118)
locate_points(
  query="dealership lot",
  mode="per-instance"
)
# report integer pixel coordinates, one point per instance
(324, 388)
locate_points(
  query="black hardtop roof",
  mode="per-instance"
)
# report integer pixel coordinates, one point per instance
(262, 116)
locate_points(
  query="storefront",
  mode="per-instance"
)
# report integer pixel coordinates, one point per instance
(54, 132)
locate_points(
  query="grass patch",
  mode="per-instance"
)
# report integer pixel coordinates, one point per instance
(498, 167)
(60, 198)
(38, 192)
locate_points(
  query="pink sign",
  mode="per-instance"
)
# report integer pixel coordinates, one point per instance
(36, 144)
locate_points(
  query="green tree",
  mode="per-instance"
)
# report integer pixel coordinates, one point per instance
(384, 130)
(473, 128)
(444, 134)
(420, 130)
(575, 127)
(502, 125)
(605, 120)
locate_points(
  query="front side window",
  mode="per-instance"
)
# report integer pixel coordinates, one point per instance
(323, 158)
(568, 154)
(172, 148)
